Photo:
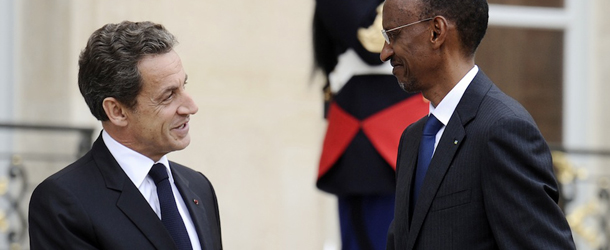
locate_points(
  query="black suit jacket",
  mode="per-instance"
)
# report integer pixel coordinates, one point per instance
(490, 183)
(92, 204)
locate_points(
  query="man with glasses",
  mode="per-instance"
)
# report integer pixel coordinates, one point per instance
(476, 172)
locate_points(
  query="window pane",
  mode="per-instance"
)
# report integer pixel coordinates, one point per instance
(527, 65)
(537, 3)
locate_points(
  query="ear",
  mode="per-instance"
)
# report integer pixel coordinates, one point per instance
(440, 28)
(115, 111)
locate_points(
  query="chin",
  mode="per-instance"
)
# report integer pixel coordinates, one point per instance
(409, 85)
(184, 145)
(409, 88)
(402, 86)
(181, 144)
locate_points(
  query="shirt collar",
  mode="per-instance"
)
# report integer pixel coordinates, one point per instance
(134, 164)
(445, 108)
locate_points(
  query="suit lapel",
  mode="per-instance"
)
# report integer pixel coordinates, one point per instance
(446, 150)
(410, 149)
(139, 212)
(130, 200)
(196, 209)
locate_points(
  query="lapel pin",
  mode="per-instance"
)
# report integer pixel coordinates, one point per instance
(196, 201)
(455, 142)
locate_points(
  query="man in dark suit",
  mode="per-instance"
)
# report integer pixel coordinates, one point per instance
(134, 83)
(479, 177)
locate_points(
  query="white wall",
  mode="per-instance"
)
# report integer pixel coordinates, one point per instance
(600, 71)
(6, 60)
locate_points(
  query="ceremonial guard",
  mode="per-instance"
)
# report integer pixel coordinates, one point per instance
(366, 112)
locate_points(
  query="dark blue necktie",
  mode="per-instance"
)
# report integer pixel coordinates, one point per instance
(426, 149)
(169, 211)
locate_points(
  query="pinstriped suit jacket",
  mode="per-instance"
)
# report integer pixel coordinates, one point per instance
(490, 184)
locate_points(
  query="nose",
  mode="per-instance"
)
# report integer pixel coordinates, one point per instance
(188, 106)
(386, 52)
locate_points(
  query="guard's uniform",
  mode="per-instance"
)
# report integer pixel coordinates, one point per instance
(366, 112)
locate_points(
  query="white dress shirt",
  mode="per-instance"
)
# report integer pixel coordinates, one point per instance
(446, 107)
(137, 166)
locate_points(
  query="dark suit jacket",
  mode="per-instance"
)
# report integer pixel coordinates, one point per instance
(92, 204)
(490, 184)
